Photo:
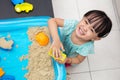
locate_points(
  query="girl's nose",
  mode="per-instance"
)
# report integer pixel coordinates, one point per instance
(84, 27)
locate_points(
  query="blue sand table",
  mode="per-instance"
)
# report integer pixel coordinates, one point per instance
(7, 77)
(17, 29)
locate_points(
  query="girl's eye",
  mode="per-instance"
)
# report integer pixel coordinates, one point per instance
(92, 30)
(86, 22)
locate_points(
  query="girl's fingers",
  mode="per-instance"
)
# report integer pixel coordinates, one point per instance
(56, 53)
(59, 54)
(58, 61)
(62, 48)
(61, 62)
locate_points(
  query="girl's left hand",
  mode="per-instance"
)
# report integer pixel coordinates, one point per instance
(61, 62)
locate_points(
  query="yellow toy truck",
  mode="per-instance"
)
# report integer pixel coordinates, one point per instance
(62, 58)
(23, 7)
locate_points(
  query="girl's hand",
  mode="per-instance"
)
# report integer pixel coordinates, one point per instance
(56, 47)
(62, 62)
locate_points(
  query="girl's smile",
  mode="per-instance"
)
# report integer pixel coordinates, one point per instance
(80, 31)
(85, 31)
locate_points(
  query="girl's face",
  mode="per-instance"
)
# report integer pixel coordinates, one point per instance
(85, 31)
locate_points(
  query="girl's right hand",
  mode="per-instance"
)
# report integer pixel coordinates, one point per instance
(56, 47)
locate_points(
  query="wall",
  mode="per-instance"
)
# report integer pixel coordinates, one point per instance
(118, 6)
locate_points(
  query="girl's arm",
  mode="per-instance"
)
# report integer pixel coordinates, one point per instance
(75, 60)
(53, 24)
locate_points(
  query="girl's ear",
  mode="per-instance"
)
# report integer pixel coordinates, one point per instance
(97, 38)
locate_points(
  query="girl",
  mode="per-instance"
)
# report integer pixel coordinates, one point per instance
(78, 37)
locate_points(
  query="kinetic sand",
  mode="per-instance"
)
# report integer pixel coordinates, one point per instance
(40, 64)
(5, 44)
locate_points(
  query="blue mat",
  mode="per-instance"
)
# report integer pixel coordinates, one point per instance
(10, 59)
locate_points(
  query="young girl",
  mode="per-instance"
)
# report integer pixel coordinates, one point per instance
(78, 37)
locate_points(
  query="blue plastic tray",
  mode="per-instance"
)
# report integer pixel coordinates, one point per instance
(9, 59)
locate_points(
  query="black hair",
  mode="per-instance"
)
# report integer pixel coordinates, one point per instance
(102, 23)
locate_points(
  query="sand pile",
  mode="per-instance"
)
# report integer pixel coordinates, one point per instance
(6, 44)
(40, 64)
